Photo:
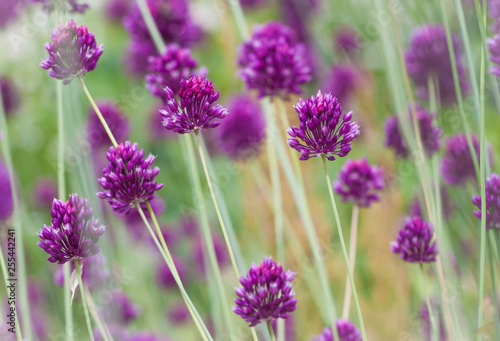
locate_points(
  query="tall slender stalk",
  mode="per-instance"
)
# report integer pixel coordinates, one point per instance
(271, 331)
(344, 251)
(352, 261)
(151, 25)
(84, 300)
(432, 318)
(101, 325)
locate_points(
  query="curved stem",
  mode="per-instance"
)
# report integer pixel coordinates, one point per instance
(352, 260)
(344, 251)
(98, 112)
(270, 328)
(84, 300)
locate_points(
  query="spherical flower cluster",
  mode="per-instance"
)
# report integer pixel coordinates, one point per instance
(427, 58)
(347, 40)
(346, 330)
(129, 179)
(196, 109)
(272, 61)
(169, 68)
(116, 120)
(342, 81)
(10, 95)
(72, 6)
(359, 182)
(492, 202)
(74, 232)
(457, 166)
(429, 134)
(95, 273)
(323, 130)
(266, 293)
(73, 53)
(241, 133)
(6, 203)
(415, 243)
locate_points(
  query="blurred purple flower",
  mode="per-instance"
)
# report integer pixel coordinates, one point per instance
(116, 10)
(273, 61)
(120, 308)
(73, 52)
(9, 12)
(494, 47)
(95, 273)
(346, 330)
(290, 325)
(359, 182)
(45, 191)
(129, 178)
(134, 223)
(492, 202)
(342, 81)
(196, 109)
(136, 59)
(415, 242)
(297, 14)
(429, 134)
(164, 276)
(10, 95)
(6, 203)
(71, 6)
(116, 120)
(220, 253)
(347, 40)
(321, 131)
(241, 134)
(423, 315)
(427, 56)
(74, 232)
(448, 206)
(265, 294)
(178, 313)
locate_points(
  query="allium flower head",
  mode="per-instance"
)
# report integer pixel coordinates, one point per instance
(415, 243)
(273, 62)
(323, 130)
(266, 293)
(73, 233)
(72, 53)
(10, 95)
(6, 203)
(428, 57)
(242, 132)
(457, 166)
(359, 182)
(346, 330)
(347, 40)
(115, 119)
(196, 109)
(129, 179)
(342, 81)
(168, 69)
(429, 133)
(492, 202)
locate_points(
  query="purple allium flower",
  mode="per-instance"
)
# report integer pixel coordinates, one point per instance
(241, 133)
(9, 11)
(342, 81)
(321, 130)
(164, 276)
(457, 166)
(129, 178)
(220, 253)
(178, 313)
(266, 293)
(423, 315)
(428, 56)
(359, 182)
(169, 68)
(347, 40)
(73, 52)
(95, 273)
(116, 10)
(494, 47)
(120, 308)
(10, 95)
(72, 6)
(116, 120)
(6, 203)
(346, 330)
(429, 134)
(73, 233)
(196, 109)
(492, 202)
(415, 243)
(273, 61)
(45, 191)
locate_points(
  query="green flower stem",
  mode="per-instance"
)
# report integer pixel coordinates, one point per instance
(5, 278)
(432, 318)
(239, 18)
(344, 251)
(171, 265)
(84, 300)
(95, 315)
(352, 260)
(151, 25)
(270, 328)
(98, 112)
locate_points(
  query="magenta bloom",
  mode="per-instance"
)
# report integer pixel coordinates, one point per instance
(129, 178)
(169, 68)
(45, 190)
(342, 81)
(323, 130)
(347, 40)
(273, 61)
(9, 11)
(178, 313)
(196, 109)
(429, 134)
(427, 56)
(116, 10)
(95, 273)
(6, 203)
(116, 120)
(10, 95)
(492, 202)
(359, 182)
(241, 134)
(266, 293)
(346, 330)
(73, 52)
(74, 231)
(415, 243)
